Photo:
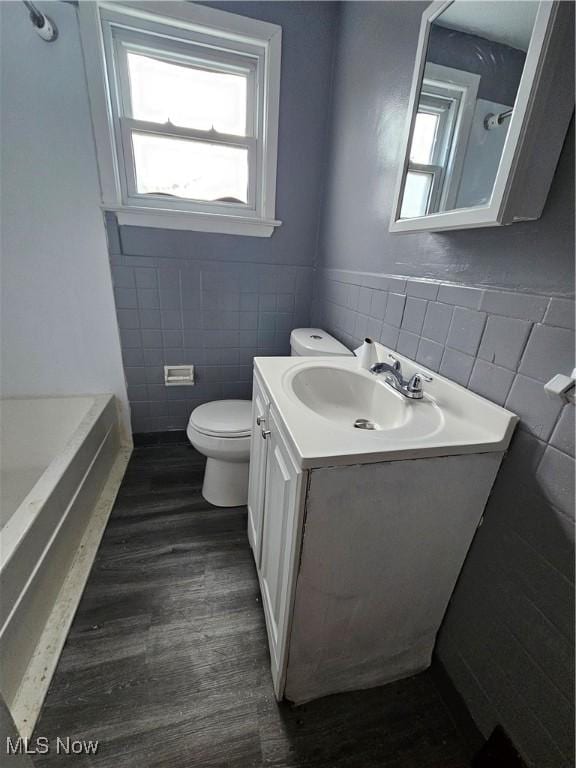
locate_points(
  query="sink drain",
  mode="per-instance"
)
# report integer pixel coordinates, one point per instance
(365, 424)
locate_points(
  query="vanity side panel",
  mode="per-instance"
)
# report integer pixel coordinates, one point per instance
(383, 547)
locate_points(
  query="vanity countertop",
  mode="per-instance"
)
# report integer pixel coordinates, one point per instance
(318, 400)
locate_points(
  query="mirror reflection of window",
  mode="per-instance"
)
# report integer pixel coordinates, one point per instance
(424, 138)
(435, 123)
(474, 63)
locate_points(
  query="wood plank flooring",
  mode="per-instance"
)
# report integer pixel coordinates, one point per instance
(167, 661)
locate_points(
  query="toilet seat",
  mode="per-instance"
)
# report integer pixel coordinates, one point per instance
(223, 418)
(225, 448)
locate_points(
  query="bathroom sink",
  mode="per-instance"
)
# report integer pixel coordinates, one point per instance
(350, 398)
(337, 413)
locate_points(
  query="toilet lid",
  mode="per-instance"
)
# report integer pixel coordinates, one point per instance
(221, 418)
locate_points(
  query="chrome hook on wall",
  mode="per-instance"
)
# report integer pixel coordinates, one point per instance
(43, 25)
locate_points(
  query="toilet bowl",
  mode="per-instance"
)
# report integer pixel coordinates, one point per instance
(221, 430)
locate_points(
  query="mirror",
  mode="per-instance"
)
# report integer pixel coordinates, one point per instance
(474, 62)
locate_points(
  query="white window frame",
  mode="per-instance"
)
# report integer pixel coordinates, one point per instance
(450, 146)
(436, 167)
(182, 32)
(463, 88)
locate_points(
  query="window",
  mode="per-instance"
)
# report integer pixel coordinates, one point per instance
(185, 112)
(439, 139)
(431, 141)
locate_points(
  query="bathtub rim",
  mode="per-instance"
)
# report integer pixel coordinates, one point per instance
(95, 494)
(19, 524)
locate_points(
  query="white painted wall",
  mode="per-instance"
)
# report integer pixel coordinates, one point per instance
(58, 325)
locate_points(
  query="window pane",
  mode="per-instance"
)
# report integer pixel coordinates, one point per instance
(187, 97)
(190, 169)
(423, 138)
(416, 193)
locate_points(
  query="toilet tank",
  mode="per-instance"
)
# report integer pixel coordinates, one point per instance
(310, 342)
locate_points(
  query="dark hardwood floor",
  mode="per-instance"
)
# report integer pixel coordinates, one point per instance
(167, 660)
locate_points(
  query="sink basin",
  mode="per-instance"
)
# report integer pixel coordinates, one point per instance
(336, 413)
(352, 399)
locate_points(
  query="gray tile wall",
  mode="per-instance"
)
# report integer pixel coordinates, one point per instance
(501, 345)
(216, 315)
(508, 637)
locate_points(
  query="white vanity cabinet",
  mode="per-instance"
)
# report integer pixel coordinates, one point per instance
(274, 502)
(283, 502)
(258, 452)
(358, 553)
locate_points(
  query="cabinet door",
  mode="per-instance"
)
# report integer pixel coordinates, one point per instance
(258, 451)
(280, 541)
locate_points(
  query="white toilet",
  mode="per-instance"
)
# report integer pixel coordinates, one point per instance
(221, 430)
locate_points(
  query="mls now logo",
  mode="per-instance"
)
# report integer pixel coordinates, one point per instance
(20, 746)
(41, 746)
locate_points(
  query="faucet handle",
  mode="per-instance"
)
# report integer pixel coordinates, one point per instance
(396, 364)
(415, 383)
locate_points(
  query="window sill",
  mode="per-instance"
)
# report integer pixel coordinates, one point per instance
(194, 222)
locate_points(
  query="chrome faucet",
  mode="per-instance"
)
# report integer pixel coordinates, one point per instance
(411, 388)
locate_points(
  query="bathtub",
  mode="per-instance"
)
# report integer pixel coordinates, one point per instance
(61, 463)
